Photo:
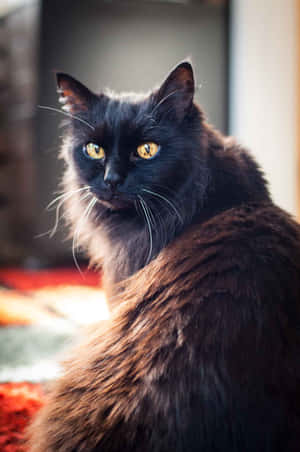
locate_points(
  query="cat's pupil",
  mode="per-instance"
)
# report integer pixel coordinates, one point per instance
(147, 148)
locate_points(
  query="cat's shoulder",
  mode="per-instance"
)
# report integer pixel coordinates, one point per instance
(255, 230)
(248, 221)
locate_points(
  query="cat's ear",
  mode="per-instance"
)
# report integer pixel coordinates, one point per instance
(73, 95)
(177, 91)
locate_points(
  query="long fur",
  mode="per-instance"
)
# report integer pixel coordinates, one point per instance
(201, 352)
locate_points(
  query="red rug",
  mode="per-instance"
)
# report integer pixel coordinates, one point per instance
(20, 401)
(30, 280)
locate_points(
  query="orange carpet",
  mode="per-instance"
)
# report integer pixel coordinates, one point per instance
(31, 297)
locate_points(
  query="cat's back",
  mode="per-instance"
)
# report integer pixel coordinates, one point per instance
(216, 318)
(244, 243)
(203, 353)
(266, 223)
(236, 287)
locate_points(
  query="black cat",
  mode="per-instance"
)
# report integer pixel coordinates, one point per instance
(202, 351)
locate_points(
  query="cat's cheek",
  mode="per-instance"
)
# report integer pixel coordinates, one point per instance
(88, 170)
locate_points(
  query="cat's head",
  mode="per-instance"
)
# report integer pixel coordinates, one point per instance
(134, 148)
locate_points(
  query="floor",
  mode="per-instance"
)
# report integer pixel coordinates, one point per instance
(40, 311)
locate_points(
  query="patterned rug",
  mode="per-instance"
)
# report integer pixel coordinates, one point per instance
(40, 312)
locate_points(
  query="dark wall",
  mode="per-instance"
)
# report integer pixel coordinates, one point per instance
(18, 82)
(127, 46)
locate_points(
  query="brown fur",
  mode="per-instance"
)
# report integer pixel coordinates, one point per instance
(202, 350)
(227, 290)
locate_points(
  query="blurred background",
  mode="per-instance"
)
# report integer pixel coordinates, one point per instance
(245, 56)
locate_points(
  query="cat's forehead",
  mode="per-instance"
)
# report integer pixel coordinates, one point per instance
(123, 111)
(125, 106)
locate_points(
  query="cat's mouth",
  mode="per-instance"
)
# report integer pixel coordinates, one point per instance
(115, 201)
(116, 204)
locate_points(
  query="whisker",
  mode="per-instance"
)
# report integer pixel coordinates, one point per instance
(150, 213)
(57, 110)
(137, 206)
(42, 234)
(144, 207)
(66, 195)
(160, 224)
(85, 216)
(54, 229)
(165, 189)
(166, 200)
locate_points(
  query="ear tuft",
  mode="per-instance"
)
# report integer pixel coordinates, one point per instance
(73, 95)
(178, 89)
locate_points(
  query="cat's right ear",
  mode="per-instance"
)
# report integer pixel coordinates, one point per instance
(73, 95)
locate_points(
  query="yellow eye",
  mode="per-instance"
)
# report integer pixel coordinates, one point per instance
(147, 150)
(94, 151)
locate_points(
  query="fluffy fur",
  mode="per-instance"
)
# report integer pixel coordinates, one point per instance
(202, 349)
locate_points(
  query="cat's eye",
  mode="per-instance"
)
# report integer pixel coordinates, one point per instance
(93, 151)
(147, 150)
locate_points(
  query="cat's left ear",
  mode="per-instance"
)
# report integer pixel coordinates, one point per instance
(177, 91)
(73, 95)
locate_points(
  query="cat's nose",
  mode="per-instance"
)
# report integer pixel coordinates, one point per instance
(112, 178)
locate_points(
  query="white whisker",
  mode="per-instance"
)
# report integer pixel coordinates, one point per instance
(150, 213)
(166, 200)
(85, 216)
(57, 110)
(160, 224)
(63, 197)
(54, 229)
(145, 210)
(66, 195)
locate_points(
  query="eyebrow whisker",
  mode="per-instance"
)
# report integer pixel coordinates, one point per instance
(57, 110)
